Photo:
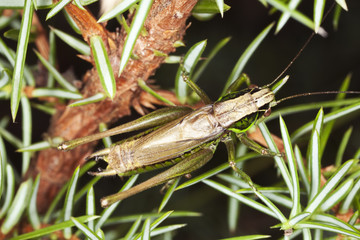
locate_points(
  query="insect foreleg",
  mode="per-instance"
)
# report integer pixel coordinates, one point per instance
(187, 165)
(235, 85)
(204, 97)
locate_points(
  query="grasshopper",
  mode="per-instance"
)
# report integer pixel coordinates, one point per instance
(186, 139)
(181, 136)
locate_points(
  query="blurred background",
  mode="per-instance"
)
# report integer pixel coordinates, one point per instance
(322, 66)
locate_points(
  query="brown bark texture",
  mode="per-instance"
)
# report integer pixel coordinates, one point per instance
(165, 25)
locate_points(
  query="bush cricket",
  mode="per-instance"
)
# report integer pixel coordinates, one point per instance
(186, 139)
(182, 137)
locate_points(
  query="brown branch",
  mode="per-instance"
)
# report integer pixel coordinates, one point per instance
(165, 25)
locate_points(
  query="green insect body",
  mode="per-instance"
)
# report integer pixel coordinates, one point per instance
(187, 138)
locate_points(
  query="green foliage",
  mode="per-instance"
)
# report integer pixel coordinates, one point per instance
(298, 201)
(103, 66)
(135, 28)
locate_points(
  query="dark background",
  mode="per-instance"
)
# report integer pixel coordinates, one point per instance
(322, 66)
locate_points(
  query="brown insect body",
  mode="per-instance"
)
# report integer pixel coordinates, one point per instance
(182, 135)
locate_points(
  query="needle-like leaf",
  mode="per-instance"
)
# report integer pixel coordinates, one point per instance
(20, 3)
(21, 51)
(32, 209)
(345, 206)
(168, 194)
(343, 4)
(46, 92)
(2, 166)
(189, 62)
(95, 98)
(279, 160)
(119, 9)
(245, 200)
(237, 70)
(328, 227)
(90, 206)
(209, 57)
(135, 28)
(103, 66)
(10, 190)
(328, 117)
(215, 171)
(286, 15)
(220, 5)
(69, 201)
(319, 6)
(17, 207)
(52, 228)
(292, 168)
(298, 16)
(339, 194)
(313, 155)
(85, 230)
(73, 42)
(210, 7)
(133, 228)
(57, 8)
(27, 132)
(344, 143)
(329, 186)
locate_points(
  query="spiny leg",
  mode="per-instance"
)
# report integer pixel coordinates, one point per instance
(244, 78)
(230, 146)
(155, 118)
(188, 165)
(256, 147)
(204, 97)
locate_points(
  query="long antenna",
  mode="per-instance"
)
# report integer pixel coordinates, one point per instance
(301, 50)
(294, 58)
(313, 93)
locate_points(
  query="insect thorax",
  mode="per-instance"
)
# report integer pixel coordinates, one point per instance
(242, 108)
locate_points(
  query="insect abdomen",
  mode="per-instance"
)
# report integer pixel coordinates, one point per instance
(120, 157)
